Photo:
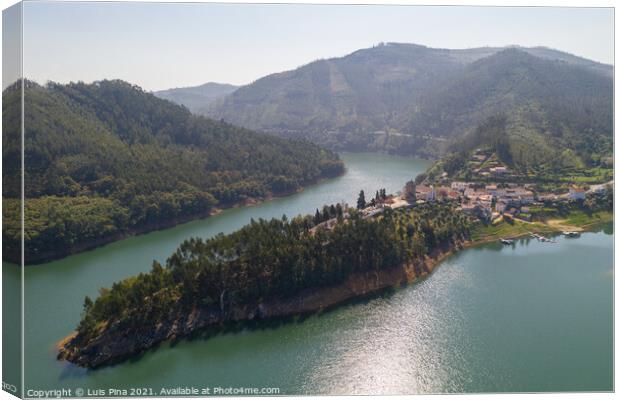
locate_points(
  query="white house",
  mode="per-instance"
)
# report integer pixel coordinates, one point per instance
(575, 193)
(499, 170)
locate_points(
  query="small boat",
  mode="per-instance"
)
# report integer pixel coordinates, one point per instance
(540, 238)
(546, 239)
(571, 234)
(507, 241)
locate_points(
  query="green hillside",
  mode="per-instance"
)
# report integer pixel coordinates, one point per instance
(554, 162)
(549, 107)
(410, 99)
(340, 102)
(105, 159)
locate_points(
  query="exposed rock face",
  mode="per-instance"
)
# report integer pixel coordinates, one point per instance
(117, 343)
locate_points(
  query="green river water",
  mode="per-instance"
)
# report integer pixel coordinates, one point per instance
(529, 317)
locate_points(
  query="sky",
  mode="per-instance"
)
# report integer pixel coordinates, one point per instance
(165, 45)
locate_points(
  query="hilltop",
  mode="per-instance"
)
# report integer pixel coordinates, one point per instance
(547, 106)
(411, 99)
(197, 98)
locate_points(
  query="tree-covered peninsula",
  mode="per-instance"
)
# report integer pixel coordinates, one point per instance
(266, 269)
(106, 160)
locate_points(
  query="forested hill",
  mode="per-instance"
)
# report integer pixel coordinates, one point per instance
(197, 98)
(107, 158)
(340, 102)
(548, 107)
(412, 99)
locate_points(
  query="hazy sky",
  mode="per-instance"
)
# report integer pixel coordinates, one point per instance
(159, 45)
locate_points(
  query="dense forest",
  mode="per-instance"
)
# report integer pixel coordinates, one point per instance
(269, 259)
(107, 158)
(539, 108)
(411, 99)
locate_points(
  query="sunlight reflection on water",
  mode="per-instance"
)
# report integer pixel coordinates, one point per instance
(464, 329)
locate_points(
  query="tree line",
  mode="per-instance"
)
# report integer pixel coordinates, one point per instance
(269, 259)
(110, 155)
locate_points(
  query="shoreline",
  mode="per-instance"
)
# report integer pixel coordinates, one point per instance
(112, 349)
(145, 229)
(108, 349)
(552, 226)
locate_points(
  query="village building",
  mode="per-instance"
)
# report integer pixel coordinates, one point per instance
(473, 194)
(446, 192)
(426, 193)
(498, 170)
(501, 206)
(485, 200)
(515, 196)
(477, 210)
(491, 189)
(547, 197)
(525, 196)
(461, 186)
(576, 193)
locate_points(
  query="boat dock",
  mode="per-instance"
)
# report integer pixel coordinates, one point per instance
(571, 234)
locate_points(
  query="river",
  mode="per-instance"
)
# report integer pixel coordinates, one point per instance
(529, 317)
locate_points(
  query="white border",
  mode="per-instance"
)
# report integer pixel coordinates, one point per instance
(508, 3)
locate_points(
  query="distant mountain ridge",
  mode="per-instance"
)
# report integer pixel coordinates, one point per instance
(196, 98)
(549, 106)
(412, 99)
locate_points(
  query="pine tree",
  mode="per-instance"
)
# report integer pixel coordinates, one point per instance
(317, 217)
(339, 210)
(325, 213)
(361, 201)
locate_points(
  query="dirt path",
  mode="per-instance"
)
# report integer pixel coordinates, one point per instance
(561, 225)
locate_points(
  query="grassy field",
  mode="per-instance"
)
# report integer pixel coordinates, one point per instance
(507, 230)
(582, 219)
(575, 220)
(590, 175)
